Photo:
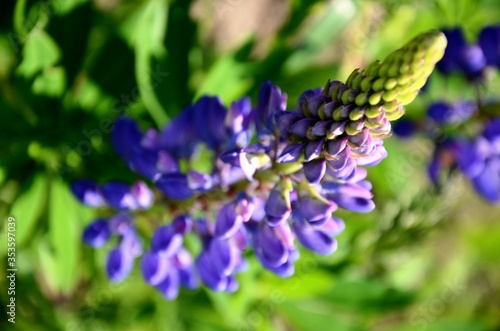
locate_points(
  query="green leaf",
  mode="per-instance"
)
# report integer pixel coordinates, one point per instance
(322, 32)
(313, 316)
(27, 209)
(64, 233)
(47, 263)
(7, 57)
(40, 52)
(19, 13)
(147, 27)
(202, 160)
(145, 32)
(305, 284)
(225, 79)
(65, 6)
(368, 295)
(52, 82)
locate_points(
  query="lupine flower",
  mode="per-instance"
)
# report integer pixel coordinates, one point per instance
(479, 160)
(276, 176)
(125, 199)
(168, 265)
(341, 126)
(489, 40)
(404, 128)
(456, 113)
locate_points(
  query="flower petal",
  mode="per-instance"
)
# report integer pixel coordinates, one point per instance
(119, 265)
(174, 185)
(315, 170)
(155, 268)
(87, 192)
(118, 196)
(315, 240)
(125, 136)
(165, 241)
(97, 233)
(169, 287)
(228, 222)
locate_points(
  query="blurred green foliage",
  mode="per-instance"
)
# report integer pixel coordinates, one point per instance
(421, 261)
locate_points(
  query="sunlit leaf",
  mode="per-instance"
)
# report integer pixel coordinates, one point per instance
(52, 82)
(40, 52)
(64, 233)
(27, 209)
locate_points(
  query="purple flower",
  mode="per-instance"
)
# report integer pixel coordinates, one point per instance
(315, 170)
(238, 158)
(169, 287)
(313, 207)
(270, 249)
(354, 195)
(178, 136)
(254, 200)
(144, 161)
(87, 192)
(174, 185)
(118, 196)
(291, 153)
(209, 275)
(317, 238)
(404, 128)
(166, 241)
(171, 266)
(479, 160)
(209, 118)
(238, 121)
(142, 194)
(489, 40)
(228, 221)
(119, 265)
(271, 101)
(121, 259)
(461, 56)
(459, 112)
(224, 257)
(97, 233)
(155, 268)
(126, 134)
(278, 206)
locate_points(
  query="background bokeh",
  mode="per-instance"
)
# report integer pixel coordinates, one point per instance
(425, 259)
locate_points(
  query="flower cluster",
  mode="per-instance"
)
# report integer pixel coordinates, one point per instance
(477, 156)
(471, 59)
(260, 178)
(464, 132)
